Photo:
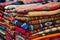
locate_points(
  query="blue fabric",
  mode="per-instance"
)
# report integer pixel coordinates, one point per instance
(19, 2)
(21, 24)
(16, 3)
(25, 25)
(18, 23)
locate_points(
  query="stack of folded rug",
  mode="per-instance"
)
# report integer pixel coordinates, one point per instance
(33, 21)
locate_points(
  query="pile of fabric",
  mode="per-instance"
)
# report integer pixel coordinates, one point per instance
(2, 25)
(30, 22)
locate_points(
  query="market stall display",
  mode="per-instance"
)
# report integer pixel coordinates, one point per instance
(30, 22)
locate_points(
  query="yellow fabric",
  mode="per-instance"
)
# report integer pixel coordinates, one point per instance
(2, 32)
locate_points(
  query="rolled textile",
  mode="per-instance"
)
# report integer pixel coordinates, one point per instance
(36, 21)
(35, 7)
(26, 33)
(41, 13)
(49, 6)
(1, 19)
(46, 7)
(45, 18)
